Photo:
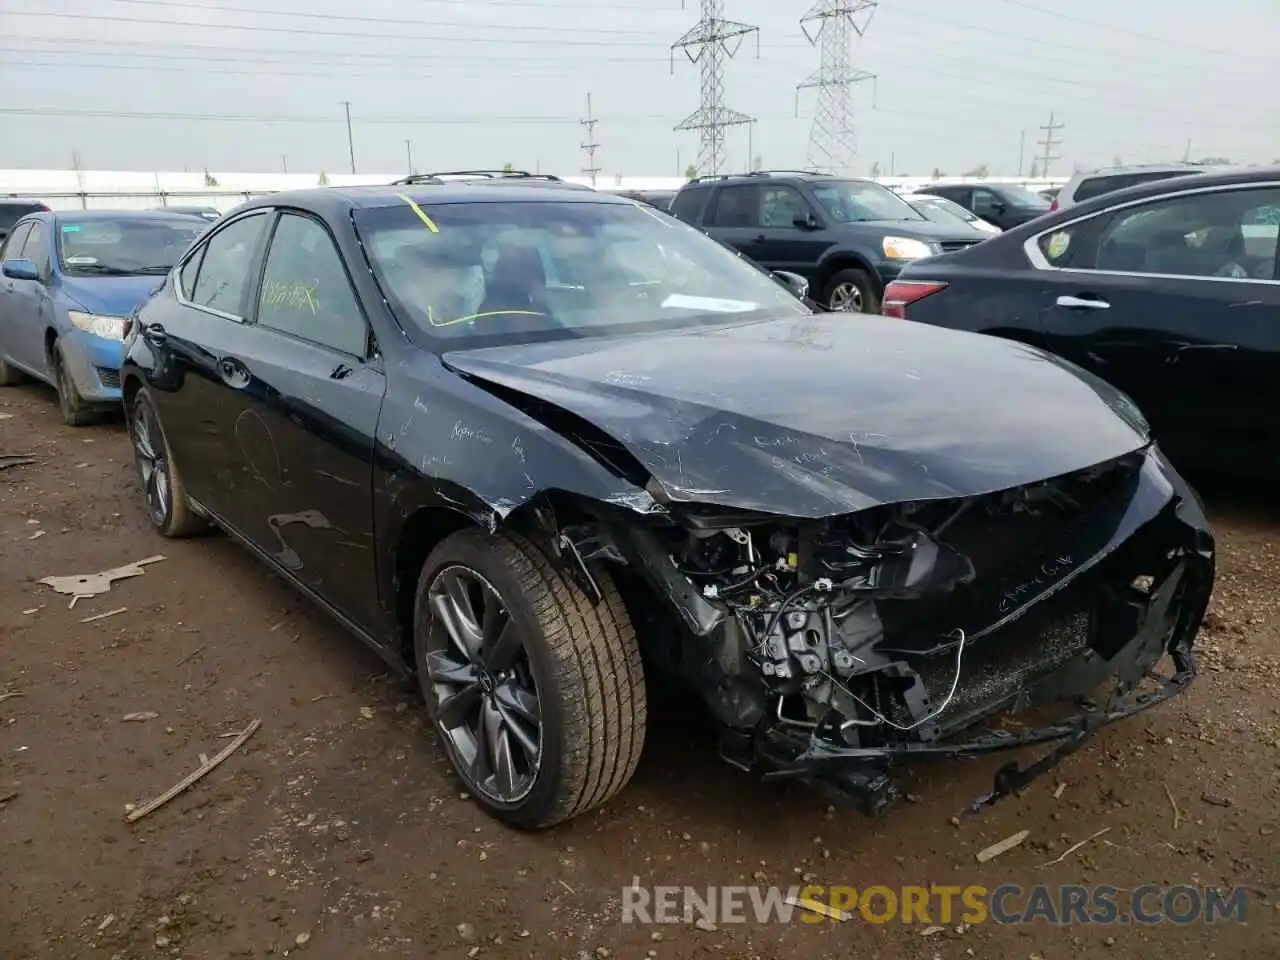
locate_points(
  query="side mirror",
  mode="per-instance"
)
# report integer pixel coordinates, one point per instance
(806, 223)
(1000, 206)
(793, 282)
(20, 270)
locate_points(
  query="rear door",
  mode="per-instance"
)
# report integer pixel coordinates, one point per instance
(190, 333)
(11, 249)
(305, 386)
(1176, 301)
(733, 218)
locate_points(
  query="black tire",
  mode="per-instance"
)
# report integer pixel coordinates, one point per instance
(10, 376)
(852, 283)
(173, 515)
(74, 411)
(582, 657)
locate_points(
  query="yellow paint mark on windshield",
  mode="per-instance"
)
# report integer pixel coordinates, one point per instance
(431, 319)
(422, 214)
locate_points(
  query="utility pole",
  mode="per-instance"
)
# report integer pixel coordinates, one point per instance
(709, 44)
(408, 155)
(284, 163)
(590, 146)
(1049, 142)
(830, 25)
(351, 143)
(1186, 152)
(1022, 150)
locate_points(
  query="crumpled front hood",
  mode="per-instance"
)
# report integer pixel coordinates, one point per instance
(825, 414)
(111, 296)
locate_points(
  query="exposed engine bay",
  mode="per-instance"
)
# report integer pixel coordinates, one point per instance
(831, 649)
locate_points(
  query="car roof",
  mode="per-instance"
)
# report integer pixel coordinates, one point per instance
(1168, 185)
(712, 179)
(1137, 168)
(336, 200)
(84, 215)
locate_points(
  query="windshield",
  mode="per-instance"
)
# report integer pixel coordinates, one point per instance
(124, 246)
(547, 270)
(941, 210)
(851, 201)
(1019, 197)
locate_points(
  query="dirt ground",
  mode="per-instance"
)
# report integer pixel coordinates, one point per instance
(338, 830)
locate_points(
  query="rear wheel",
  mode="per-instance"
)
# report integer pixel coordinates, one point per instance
(851, 291)
(164, 493)
(74, 410)
(537, 693)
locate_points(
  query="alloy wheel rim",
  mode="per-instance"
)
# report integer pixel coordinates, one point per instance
(153, 467)
(846, 298)
(486, 700)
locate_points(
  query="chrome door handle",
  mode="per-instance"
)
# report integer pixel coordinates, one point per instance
(1081, 303)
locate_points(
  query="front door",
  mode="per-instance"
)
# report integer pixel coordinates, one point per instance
(790, 232)
(31, 304)
(1177, 302)
(305, 391)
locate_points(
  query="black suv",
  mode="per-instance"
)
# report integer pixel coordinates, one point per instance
(849, 238)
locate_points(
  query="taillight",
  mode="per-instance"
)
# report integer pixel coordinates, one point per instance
(900, 294)
(1053, 205)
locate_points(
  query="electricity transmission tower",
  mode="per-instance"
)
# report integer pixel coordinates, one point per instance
(830, 26)
(590, 146)
(709, 44)
(1049, 142)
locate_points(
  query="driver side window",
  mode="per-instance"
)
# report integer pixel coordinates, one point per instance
(782, 207)
(986, 202)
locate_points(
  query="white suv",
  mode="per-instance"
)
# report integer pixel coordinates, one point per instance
(1086, 186)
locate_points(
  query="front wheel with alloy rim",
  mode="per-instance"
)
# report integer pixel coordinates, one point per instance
(163, 491)
(536, 691)
(851, 291)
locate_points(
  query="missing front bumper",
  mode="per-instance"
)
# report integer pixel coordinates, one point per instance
(1139, 651)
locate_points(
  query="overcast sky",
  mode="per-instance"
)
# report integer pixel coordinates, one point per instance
(958, 83)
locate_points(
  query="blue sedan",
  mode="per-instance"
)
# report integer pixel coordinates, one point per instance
(69, 281)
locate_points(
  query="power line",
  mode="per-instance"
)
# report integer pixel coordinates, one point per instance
(1113, 28)
(831, 137)
(471, 119)
(352, 18)
(504, 37)
(710, 43)
(1049, 142)
(590, 146)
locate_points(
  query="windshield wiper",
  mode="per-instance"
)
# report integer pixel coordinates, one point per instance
(101, 268)
(159, 270)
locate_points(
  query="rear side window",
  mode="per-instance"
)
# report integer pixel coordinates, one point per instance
(688, 204)
(735, 206)
(187, 278)
(228, 259)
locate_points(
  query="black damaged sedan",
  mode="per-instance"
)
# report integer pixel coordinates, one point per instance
(538, 445)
